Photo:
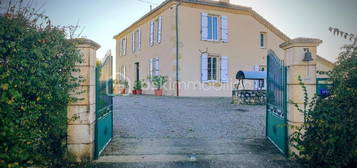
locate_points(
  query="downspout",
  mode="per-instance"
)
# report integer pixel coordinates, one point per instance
(177, 50)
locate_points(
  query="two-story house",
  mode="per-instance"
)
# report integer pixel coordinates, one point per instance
(198, 44)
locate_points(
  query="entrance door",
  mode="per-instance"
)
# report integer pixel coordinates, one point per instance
(137, 71)
(276, 110)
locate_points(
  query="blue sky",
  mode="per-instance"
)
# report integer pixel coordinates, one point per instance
(102, 19)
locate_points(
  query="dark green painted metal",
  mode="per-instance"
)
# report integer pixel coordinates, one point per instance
(323, 87)
(276, 114)
(104, 113)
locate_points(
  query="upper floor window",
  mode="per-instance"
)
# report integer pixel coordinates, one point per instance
(262, 40)
(155, 31)
(122, 47)
(136, 40)
(212, 26)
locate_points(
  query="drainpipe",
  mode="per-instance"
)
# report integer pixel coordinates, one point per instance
(177, 50)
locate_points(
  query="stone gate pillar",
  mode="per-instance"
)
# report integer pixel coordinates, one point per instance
(81, 114)
(294, 54)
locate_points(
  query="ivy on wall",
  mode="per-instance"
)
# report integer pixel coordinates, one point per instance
(36, 63)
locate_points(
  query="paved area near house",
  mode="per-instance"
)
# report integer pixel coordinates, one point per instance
(189, 132)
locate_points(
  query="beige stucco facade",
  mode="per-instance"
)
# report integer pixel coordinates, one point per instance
(243, 50)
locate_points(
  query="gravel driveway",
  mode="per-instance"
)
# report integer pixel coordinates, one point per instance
(164, 131)
(150, 116)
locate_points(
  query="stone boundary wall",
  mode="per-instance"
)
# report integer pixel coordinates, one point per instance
(249, 97)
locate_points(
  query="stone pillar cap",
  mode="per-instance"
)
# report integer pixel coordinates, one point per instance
(301, 42)
(85, 41)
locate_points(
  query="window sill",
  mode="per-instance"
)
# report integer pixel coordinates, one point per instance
(213, 83)
(262, 47)
(214, 41)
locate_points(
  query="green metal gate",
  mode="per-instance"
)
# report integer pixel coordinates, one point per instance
(104, 113)
(276, 110)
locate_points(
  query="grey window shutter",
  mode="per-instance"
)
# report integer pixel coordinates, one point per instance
(224, 22)
(133, 41)
(150, 68)
(159, 27)
(139, 39)
(124, 48)
(204, 67)
(224, 69)
(204, 26)
(120, 49)
(151, 39)
(157, 67)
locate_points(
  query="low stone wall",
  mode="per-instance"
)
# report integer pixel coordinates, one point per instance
(250, 97)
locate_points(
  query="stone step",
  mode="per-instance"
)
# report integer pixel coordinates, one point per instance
(187, 146)
(194, 161)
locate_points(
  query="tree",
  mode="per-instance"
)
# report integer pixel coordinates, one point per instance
(330, 137)
(36, 65)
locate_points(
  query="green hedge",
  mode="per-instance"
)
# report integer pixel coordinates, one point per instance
(36, 62)
(330, 139)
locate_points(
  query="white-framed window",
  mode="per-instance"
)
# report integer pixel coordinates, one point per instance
(262, 40)
(212, 74)
(214, 68)
(122, 47)
(211, 29)
(136, 40)
(155, 31)
(154, 67)
(122, 73)
(259, 84)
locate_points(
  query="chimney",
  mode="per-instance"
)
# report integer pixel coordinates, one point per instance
(224, 1)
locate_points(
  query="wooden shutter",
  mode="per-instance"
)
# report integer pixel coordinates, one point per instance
(204, 26)
(139, 39)
(150, 68)
(224, 22)
(120, 49)
(224, 69)
(157, 67)
(133, 41)
(124, 46)
(151, 39)
(159, 30)
(204, 66)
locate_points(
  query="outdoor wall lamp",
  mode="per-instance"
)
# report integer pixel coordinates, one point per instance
(307, 56)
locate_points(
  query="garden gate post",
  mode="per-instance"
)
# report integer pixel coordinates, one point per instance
(294, 60)
(81, 114)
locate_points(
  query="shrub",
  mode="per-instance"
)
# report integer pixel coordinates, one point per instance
(36, 62)
(330, 128)
(158, 81)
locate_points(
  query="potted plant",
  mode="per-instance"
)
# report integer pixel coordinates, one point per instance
(158, 82)
(137, 87)
(125, 85)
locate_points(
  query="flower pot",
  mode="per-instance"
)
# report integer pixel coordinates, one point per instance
(134, 92)
(158, 92)
(123, 91)
(139, 92)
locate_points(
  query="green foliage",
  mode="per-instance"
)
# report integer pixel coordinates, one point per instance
(139, 84)
(36, 63)
(159, 81)
(330, 128)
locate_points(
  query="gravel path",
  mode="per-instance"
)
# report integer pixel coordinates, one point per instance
(150, 116)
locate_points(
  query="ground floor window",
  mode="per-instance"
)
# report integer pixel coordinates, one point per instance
(214, 68)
